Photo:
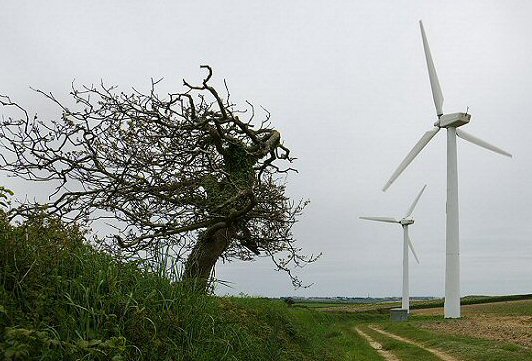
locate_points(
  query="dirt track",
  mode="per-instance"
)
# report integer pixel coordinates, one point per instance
(440, 354)
(387, 355)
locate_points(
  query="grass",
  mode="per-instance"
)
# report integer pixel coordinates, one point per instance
(461, 347)
(477, 348)
(62, 300)
(402, 350)
(352, 345)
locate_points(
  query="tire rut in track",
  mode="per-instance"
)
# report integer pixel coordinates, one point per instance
(440, 354)
(387, 355)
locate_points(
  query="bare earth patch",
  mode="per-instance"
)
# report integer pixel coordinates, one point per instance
(515, 329)
(479, 322)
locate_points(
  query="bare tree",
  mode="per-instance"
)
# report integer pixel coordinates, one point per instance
(184, 170)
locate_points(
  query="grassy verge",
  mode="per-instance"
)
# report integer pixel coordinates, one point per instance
(62, 300)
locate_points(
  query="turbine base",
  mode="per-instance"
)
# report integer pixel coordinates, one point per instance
(399, 314)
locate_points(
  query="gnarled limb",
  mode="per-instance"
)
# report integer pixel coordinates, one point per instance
(189, 171)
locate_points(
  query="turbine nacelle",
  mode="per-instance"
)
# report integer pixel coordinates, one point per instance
(406, 221)
(453, 120)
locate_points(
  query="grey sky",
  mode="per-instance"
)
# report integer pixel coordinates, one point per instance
(347, 85)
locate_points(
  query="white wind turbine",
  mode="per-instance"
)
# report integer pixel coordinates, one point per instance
(451, 122)
(405, 222)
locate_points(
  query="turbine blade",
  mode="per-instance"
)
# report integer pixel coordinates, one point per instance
(434, 82)
(412, 248)
(411, 209)
(381, 219)
(480, 142)
(425, 139)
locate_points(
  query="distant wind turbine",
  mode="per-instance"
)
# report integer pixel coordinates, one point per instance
(406, 221)
(451, 122)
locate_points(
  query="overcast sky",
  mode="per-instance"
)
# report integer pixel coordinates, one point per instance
(346, 84)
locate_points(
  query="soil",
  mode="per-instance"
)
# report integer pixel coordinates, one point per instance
(478, 322)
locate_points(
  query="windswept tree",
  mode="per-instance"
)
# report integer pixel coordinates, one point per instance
(189, 170)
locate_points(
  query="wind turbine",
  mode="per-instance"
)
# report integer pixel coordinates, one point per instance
(404, 222)
(451, 122)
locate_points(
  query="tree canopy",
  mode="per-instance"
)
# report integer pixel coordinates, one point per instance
(188, 170)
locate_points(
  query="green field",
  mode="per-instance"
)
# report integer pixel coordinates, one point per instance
(386, 306)
(488, 330)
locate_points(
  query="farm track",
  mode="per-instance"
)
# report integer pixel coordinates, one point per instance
(507, 323)
(442, 355)
(387, 355)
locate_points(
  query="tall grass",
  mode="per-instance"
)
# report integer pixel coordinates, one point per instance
(62, 300)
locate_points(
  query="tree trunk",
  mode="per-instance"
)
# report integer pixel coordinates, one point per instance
(201, 261)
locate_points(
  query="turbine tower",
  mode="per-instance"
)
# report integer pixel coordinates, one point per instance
(405, 222)
(451, 122)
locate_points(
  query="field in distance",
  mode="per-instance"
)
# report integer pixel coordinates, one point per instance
(384, 305)
(491, 329)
